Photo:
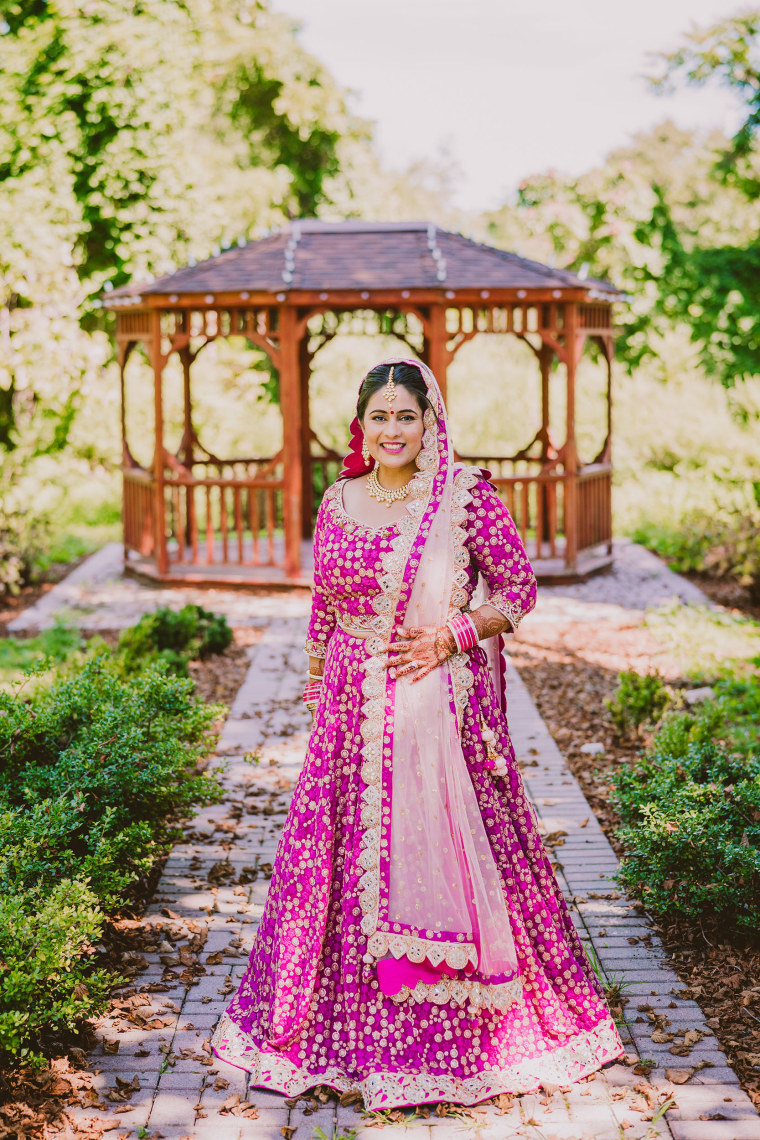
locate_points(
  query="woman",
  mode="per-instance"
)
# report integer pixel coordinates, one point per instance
(414, 942)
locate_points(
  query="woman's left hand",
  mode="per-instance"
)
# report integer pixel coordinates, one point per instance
(419, 650)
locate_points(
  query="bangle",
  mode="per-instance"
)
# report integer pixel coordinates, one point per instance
(464, 630)
(311, 694)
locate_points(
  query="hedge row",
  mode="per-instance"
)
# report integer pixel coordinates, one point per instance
(97, 765)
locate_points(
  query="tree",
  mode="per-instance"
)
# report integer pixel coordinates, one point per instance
(134, 136)
(714, 285)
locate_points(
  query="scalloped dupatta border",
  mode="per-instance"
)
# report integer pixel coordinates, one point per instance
(383, 938)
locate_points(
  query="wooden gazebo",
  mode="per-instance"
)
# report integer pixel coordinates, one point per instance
(195, 517)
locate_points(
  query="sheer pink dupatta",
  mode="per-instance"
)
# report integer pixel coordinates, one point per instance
(442, 911)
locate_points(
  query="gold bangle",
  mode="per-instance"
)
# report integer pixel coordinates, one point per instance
(442, 641)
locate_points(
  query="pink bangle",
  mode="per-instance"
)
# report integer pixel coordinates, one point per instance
(311, 692)
(465, 633)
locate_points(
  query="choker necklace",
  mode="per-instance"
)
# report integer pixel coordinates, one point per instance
(377, 491)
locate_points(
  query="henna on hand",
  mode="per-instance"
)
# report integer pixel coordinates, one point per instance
(420, 650)
(317, 666)
(489, 622)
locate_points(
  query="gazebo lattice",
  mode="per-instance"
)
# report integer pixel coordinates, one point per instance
(195, 517)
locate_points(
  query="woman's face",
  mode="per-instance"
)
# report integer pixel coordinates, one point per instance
(393, 431)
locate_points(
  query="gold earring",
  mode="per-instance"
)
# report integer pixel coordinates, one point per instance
(365, 451)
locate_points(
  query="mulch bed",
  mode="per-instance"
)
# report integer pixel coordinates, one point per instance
(569, 670)
(725, 592)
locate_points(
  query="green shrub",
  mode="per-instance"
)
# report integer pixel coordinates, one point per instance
(175, 637)
(95, 772)
(690, 812)
(637, 701)
(22, 540)
(47, 981)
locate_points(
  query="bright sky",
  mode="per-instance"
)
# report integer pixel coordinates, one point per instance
(508, 87)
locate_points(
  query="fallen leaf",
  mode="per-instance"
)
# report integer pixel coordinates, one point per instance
(679, 1076)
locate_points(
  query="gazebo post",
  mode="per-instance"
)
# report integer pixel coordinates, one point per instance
(186, 455)
(307, 486)
(437, 354)
(570, 450)
(124, 350)
(292, 418)
(545, 356)
(610, 356)
(159, 512)
(186, 451)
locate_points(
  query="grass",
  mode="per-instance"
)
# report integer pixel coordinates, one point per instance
(705, 643)
(17, 655)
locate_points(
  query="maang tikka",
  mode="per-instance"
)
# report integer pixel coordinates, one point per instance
(389, 391)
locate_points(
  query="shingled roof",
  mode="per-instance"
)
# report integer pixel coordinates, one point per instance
(315, 256)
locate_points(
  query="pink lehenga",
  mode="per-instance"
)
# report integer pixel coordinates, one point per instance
(414, 943)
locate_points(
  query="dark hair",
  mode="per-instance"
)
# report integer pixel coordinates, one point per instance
(377, 378)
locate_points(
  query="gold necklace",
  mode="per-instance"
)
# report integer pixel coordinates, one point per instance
(382, 494)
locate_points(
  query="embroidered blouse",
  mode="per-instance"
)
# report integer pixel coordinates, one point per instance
(347, 561)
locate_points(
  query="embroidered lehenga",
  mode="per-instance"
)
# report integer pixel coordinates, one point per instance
(414, 941)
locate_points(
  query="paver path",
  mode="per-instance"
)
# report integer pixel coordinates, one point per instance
(183, 1088)
(178, 1096)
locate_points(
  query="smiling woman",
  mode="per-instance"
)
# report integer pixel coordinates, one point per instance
(390, 410)
(414, 942)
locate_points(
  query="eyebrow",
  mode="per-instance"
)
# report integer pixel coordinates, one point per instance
(400, 412)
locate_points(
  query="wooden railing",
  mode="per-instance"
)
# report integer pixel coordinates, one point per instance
(227, 512)
(540, 504)
(139, 505)
(594, 505)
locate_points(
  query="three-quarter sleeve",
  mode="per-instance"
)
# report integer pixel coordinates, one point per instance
(322, 620)
(497, 550)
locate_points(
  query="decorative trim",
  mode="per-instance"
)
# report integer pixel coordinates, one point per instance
(385, 604)
(464, 991)
(456, 955)
(315, 648)
(513, 611)
(359, 623)
(581, 1055)
(462, 677)
(374, 688)
(334, 497)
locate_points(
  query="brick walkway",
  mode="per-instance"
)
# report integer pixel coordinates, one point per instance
(183, 1089)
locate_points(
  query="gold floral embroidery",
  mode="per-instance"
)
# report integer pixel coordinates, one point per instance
(462, 678)
(315, 648)
(464, 991)
(511, 610)
(584, 1053)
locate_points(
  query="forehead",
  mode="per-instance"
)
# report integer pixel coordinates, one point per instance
(405, 401)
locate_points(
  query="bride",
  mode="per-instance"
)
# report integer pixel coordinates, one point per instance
(414, 943)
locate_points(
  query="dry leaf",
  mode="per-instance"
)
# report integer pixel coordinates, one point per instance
(679, 1076)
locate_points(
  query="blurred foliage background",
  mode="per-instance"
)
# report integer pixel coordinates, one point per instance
(138, 136)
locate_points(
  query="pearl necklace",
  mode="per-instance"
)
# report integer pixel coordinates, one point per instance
(382, 494)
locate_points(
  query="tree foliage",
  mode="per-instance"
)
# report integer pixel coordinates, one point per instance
(674, 218)
(134, 136)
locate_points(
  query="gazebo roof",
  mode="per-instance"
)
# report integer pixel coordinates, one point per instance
(354, 256)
